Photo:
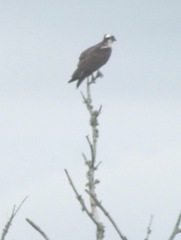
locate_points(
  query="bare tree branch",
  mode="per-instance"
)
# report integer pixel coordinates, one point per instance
(149, 228)
(79, 198)
(90, 163)
(98, 203)
(92, 167)
(176, 229)
(13, 214)
(38, 229)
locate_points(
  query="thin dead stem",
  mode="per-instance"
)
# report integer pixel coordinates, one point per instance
(13, 214)
(176, 229)
(98, 203)
(79, 198)
(149, 228)
(38, 229)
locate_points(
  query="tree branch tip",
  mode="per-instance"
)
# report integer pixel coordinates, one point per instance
(99, 110)
(99, 74)
(84, 98)
(149, 230)
(97, 166)
(85, 159)
(82, 94)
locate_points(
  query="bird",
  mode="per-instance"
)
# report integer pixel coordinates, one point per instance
(92, 59)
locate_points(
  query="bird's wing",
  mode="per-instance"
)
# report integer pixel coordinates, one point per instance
(94, 59)
(88, 51)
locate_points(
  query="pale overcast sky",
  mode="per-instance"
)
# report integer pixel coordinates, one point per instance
(43, 122)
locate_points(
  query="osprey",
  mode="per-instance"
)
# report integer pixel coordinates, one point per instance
(92, 59)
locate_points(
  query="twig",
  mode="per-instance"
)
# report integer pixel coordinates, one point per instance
(149, 228)
(13, 214)
(38, 229)
(91, 148)
(176, 229)
(98, 203)
(79, 198)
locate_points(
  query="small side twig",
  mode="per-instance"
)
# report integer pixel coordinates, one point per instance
(38, 229)
(149, 228)
(98, 203)
(13, 214)
(176, 229)
(91, 148)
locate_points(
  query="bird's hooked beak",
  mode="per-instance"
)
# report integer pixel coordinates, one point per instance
(113, 39)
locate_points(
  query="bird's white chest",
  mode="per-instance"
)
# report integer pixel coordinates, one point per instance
(108, 44)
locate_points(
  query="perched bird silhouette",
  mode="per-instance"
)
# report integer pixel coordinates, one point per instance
(92, 59)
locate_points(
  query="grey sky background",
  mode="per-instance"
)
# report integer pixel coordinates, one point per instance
(43, 122)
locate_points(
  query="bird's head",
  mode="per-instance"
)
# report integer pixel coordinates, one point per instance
(108, 39)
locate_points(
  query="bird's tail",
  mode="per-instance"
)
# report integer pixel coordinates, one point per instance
(79, 82)
(78, 76)
(72, 80)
